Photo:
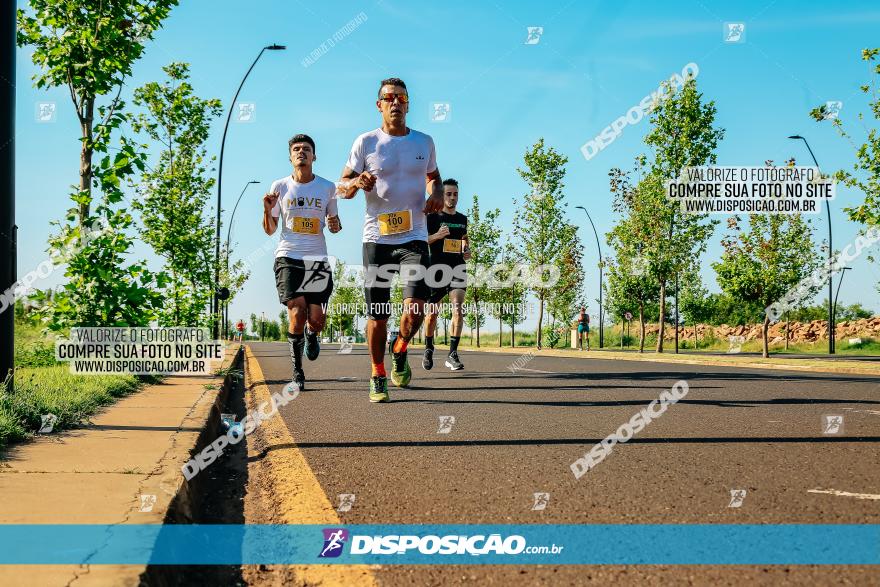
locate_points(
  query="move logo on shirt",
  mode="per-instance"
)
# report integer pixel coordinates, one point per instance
(306, 202)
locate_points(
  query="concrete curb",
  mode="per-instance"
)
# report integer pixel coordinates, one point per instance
(204, 416)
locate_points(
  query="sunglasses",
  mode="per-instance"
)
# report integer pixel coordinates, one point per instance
(404, 99)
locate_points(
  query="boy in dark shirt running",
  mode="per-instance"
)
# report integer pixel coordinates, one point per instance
(448, 241)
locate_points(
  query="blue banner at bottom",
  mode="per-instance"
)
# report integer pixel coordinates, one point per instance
(617, 544)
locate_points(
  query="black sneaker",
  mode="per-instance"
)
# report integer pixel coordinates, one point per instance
(299, 378)
(453, 363)
(313, 347)
(428, 359)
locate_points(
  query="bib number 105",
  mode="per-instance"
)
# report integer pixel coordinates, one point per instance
(302, 225)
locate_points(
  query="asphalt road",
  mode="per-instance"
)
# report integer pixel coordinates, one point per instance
(516, 434)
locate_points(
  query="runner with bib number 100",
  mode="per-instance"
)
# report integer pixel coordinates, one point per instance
(394, 165)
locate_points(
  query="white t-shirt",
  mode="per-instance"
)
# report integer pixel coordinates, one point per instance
(302, 208)
(400, 165)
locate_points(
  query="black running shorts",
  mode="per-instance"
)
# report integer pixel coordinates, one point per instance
(295, 278)
(381, 262)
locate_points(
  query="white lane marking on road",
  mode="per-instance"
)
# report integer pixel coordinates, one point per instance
(875, 412)
(844, 493)
(346, 379)
(537, 371)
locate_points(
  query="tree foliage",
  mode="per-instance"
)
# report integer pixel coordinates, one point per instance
(484, 241)
(174, 191)
(762, 263)
(539, 220)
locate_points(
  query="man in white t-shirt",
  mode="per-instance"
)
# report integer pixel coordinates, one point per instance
(394, 165)
(302, 201)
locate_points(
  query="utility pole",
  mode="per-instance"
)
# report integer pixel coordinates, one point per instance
(8, 272)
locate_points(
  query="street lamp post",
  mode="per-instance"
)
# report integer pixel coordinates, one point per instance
(601, 267)
(228, 235)
(843, 271)
(831, 345)
(216, 301)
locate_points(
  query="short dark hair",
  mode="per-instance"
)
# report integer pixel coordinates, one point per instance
(392, 81)
(450, 181)
(300, 138)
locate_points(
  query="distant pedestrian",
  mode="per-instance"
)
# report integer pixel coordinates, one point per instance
(583, 329)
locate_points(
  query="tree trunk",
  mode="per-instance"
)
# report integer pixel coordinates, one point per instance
(786, 330)
(662, 326)
(477, 301)
(85, 159)
(540, 320)
(766, 327)
(642, 327)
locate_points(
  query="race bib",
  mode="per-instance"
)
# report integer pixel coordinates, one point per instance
(395, 222)
(452, 245)
(305, 225)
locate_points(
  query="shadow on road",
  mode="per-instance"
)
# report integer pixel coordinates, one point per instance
(636, 402)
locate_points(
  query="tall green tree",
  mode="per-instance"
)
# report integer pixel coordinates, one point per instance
(539, 220)
(766, 260)
(509, 298)
(89, 47)
(174, 191)
(683, 134)
(104, 287)
(865, 173)
(567, 296)
(346, 302)
(484, 240)
(632, 284)
(628, 291)
(694, 299)
(284, 321)
(255, 324)
(396, 300)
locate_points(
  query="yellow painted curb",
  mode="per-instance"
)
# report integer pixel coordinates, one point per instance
(289, 487)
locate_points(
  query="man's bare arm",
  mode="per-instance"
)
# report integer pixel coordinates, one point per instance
(270, 223)
(434, 187)
(440, 234)
(352, 181)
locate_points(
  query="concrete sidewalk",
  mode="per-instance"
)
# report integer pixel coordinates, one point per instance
(130, 454)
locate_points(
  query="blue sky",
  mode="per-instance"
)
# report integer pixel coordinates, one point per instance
(593, 62)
